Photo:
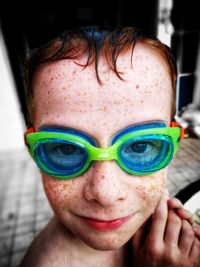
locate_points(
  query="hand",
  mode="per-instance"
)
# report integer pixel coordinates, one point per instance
(167, 239)
(184, 214)
(174, 203)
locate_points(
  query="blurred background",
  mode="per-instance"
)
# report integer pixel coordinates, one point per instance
(24, 209)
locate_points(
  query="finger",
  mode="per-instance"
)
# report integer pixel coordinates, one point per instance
(174, 203)
(185, 215)
(186, 238)
(173, 228)
(196, 230)
(159, 220)
(195, 251)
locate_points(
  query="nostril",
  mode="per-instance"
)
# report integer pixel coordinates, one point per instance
(88, 195)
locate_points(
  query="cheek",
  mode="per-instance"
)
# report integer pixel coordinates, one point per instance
(150, 190)
(59, 192)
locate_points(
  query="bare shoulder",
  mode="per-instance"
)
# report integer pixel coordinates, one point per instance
(46, 248)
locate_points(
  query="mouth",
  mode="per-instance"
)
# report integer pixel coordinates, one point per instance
(102, 225)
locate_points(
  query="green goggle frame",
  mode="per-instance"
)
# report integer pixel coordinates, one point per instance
(140, 151)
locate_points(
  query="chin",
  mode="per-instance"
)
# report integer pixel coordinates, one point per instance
(105, 241)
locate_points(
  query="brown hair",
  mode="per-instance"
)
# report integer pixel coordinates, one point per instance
(94, 41)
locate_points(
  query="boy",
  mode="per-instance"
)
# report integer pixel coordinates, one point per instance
(101, 103)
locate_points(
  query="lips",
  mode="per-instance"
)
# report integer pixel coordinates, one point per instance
(105, 225)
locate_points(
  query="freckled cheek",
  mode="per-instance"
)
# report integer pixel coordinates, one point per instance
(59, 192)
(150, 190)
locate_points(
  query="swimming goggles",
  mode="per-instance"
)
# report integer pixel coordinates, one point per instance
(139, 149)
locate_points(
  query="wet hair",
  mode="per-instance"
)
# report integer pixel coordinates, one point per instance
(93, 42)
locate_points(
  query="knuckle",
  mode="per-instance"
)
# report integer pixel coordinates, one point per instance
(197, 230)
(197, 244)
(193, 263)
(187, 229)
(175, 258)
(154, 252)
(170, 254)
(173, 218)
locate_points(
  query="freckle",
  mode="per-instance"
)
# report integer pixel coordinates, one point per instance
(63, 88)
(65, 186)
(52, 78)
(137, 86)
(48, 92)
(57, 116)
(47, 113)
(117, 102)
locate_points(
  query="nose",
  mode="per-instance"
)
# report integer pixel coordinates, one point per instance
(105, 184)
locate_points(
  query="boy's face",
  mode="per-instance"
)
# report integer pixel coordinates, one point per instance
(67, 95)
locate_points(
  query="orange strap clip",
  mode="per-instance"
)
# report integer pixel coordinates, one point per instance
(176, 124)
(29, 130)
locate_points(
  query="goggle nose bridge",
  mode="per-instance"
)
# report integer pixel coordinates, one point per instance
(108, 153)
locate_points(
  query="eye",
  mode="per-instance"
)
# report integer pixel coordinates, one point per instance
(66, 150)
(141, 151)
(64, 155)
(145, 153)
(139, 147)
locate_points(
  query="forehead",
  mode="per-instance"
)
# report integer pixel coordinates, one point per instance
(145, 61)
(69, 95)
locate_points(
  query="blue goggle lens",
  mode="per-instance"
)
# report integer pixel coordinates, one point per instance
(147, 154)
(63, 157)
